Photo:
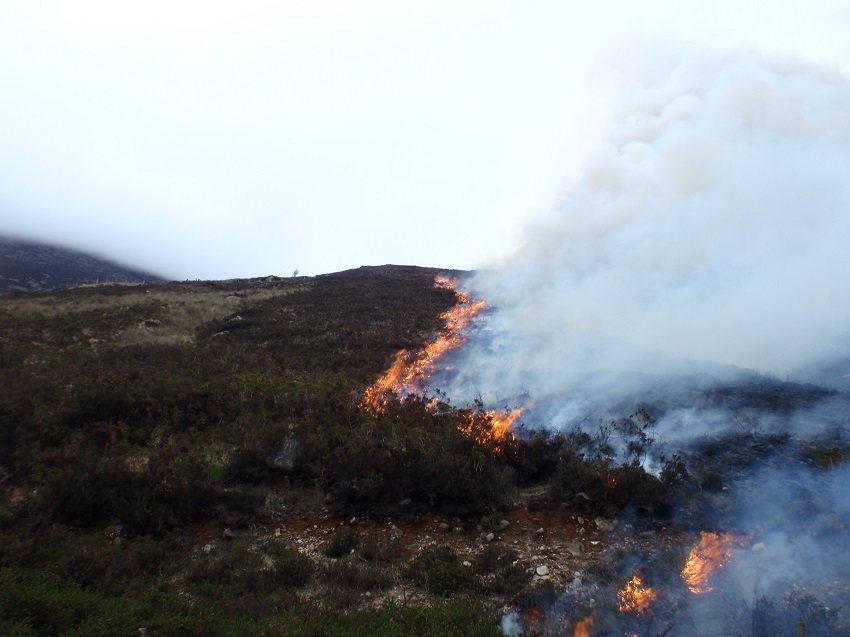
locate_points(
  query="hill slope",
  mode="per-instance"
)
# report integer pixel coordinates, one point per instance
(195, 458)
(27, 266)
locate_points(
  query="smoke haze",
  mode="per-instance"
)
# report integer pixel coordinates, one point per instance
(706, 233)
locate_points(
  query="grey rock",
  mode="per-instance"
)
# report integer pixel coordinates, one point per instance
(286, 459)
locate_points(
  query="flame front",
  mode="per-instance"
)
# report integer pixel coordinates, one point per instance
(411, 370)
(709, 556)
(583, 628)
(635, 598)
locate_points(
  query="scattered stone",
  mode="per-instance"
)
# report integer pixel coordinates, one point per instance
(208, 549)
(490, 537)
(539, 531)
(405, 502)
(228, 534)
(467, 563)
(503, 524)
(458, 529)
(395, 532)
(604, 525)
(444, 528)
(583, 496)
(575, 549)
(278, 532)
(542, 570)
(286, 459)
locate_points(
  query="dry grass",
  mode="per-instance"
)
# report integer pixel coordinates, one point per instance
(168, 314)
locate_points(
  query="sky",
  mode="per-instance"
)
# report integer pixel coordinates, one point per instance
(214, 140)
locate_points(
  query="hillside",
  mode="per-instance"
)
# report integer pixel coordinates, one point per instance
(27, 266)
(195, 459)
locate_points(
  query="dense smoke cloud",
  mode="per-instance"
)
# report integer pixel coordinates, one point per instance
(707, 233)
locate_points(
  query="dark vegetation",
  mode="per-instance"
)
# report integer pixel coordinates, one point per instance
(112, 454)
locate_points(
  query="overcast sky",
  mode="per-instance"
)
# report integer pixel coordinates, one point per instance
(210, 140)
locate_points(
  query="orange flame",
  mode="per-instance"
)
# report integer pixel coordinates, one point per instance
(709, 556)
(635, 598)
(411, 370)
(583, 628)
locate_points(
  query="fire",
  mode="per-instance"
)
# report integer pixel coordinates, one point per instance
(583, 628)
(711, 554)
(411, 370)
(635, 598)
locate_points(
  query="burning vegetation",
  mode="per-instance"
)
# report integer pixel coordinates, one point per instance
(411, 371)
(708, 557)
(635, 598)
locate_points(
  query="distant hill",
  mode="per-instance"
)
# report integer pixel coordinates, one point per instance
(27, 266)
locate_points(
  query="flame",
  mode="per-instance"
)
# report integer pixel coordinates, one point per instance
(706, 558)
(411, 370)
(583, 628)
(635, 598)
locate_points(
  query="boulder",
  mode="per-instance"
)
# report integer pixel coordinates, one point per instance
(286, 459)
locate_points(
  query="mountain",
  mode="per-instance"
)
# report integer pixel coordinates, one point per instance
(27, 266)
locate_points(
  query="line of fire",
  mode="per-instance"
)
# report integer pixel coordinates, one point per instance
(636, 601)
(411, 372)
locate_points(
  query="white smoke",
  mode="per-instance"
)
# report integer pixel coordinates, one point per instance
(709, 231)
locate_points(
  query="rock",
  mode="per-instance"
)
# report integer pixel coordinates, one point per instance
(444, 528)
(286, 459)
(490, 537)
(467, 563)
(503, 524)
(278, 532)
(228, 534)
(575, 549)
(542, 570)
(209, 549)
(539, 531)
(604, 525)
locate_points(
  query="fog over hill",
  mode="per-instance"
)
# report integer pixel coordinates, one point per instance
(28, 265)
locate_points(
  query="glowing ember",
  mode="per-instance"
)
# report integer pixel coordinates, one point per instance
(583, 628)
(706, 558)
(635, 598)
(412, 370)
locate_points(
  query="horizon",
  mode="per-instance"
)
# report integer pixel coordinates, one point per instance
(214, 142)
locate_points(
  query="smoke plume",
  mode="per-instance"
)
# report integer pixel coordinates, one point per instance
(707, 233)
